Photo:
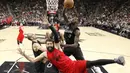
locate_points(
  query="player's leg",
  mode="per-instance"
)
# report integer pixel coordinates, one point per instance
(18, 42)
(39, 67)
(68, 51)
(120, 60)
(78, 54)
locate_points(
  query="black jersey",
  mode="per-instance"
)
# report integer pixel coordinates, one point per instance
(69, 35)
(36, 53)
(39, 66)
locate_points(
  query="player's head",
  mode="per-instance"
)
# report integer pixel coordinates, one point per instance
(51, 17)
(31, 36)
(50, 45)
(73, 23)
(21, 24)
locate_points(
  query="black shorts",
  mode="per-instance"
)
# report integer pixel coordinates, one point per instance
(49, 68)
(39, 67)
(76, 52)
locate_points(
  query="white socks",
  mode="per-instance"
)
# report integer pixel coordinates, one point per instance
(20, 46)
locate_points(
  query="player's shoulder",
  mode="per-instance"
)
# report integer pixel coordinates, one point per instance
(76, 30)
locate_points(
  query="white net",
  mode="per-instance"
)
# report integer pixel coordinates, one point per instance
(52, 5)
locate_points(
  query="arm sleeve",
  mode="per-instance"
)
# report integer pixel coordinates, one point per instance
(55, 34)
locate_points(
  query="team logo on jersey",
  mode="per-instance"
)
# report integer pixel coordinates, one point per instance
(69, 35)
(68, 31)
(49, 65)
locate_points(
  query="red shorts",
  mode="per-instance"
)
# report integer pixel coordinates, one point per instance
(80, 66)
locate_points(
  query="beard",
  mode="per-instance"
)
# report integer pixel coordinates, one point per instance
(50, 48)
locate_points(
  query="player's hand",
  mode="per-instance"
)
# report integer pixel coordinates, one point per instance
(21, 52)
(49, 24)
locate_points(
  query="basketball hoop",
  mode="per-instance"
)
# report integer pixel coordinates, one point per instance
(52, 6)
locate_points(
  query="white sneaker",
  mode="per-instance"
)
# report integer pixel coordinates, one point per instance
(97, 69)
(120, 60)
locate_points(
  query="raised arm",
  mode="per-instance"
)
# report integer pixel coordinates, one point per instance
(75, 11)
(77, 14)
(56, 40)
(65, 17)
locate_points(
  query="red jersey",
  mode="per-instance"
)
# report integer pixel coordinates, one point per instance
(21, 34)
(20, 29)
(61, 61)
(65, 64)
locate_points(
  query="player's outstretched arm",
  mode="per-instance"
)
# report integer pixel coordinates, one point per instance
(77, 15)
(56, 39)
(65, 17)
(31, 59)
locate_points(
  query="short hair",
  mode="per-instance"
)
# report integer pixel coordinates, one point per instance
(49, 40)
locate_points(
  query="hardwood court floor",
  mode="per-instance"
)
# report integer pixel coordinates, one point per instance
(96, 44)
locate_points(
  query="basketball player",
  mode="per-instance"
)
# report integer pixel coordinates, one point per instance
(40, 66)
(37, 50)
(71, 36)
(53, 17)
(20, 35)
(63, 62)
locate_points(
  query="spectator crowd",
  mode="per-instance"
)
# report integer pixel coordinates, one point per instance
(109, 15)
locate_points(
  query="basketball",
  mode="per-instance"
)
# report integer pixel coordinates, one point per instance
(68, 3)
